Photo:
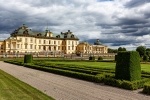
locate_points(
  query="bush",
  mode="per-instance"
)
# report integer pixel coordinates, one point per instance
(91, 58)
(145, 58)
(146, 88)
(115, 57)
(100, 58)
(128, 66)
(28, 58)
(130, 85)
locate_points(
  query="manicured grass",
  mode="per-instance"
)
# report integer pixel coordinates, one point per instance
(109, 65)
(13, 89)
(145, 67)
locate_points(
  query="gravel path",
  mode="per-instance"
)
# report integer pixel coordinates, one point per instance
(65, 88)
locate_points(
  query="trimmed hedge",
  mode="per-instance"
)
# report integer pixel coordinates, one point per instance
(91, 58)
(130, 85)
(115, 57)
(103, 76)
(100, 58)
(145, 58)
(146, 88)
(128, 66)
(28, 58)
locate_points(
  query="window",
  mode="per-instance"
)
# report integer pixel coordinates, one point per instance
(54, 48)
(68, 47)
(25, 46)
(17, 45)
(58, 47)
(31, 40)
(54, 42)
(68, 42)
(44, 42)
(20, 38)
(39, 41)
(49, 41)
(72, 47)
(58, 42)
(39, 47)
(30, 46)
(8, 45)
(26, 40)
(72, 43)
(1, 46)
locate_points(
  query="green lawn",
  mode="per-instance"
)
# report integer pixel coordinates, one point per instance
(13, 89)
(111, 65)
(145, 67)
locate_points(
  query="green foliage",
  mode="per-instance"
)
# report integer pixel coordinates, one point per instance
(14, 89)
(100, 58)
(121, 49)
(128, 66)
(130, 85)
(28, 58)
(141, 50)
(112, 50)
(148, 49)
(115, 57)
(148, 53)
(91, 58)
(145, 58)
(146, 88)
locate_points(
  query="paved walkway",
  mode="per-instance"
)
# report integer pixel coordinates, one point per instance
(65, 88)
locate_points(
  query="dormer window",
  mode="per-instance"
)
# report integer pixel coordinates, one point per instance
(39, 34)
(58, 36)
(25, 32)
(72, 36)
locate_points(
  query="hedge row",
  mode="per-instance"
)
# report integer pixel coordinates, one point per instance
(107, 78)
(94, 78)
(146, 88)
(130, 85)
(83, 69)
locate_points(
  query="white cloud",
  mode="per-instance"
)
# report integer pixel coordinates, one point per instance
(111, 21)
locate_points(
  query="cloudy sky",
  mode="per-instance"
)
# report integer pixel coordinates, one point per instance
(117, 23)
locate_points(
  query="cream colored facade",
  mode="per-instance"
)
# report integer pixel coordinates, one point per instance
(25, 40)
(97, 48)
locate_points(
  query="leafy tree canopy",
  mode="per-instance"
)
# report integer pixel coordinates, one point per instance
(141, 50)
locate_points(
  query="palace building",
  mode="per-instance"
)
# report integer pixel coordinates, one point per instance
(25, 40)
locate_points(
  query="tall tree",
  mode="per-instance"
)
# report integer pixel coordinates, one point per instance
(121, 49)
(148, 49)
(141, 50)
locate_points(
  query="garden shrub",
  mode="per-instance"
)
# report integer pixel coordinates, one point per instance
(145, 58)
(28, 58)
(146, 88)
(128, 66)
(91, 58)
(100, 58)
(99, 78)
(115, 57)
(130, 85)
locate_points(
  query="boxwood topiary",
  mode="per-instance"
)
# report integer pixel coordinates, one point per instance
(115, 57)
(145, 58)
(91, 58)
(100, 58)
(28, 58)
(128, 66)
